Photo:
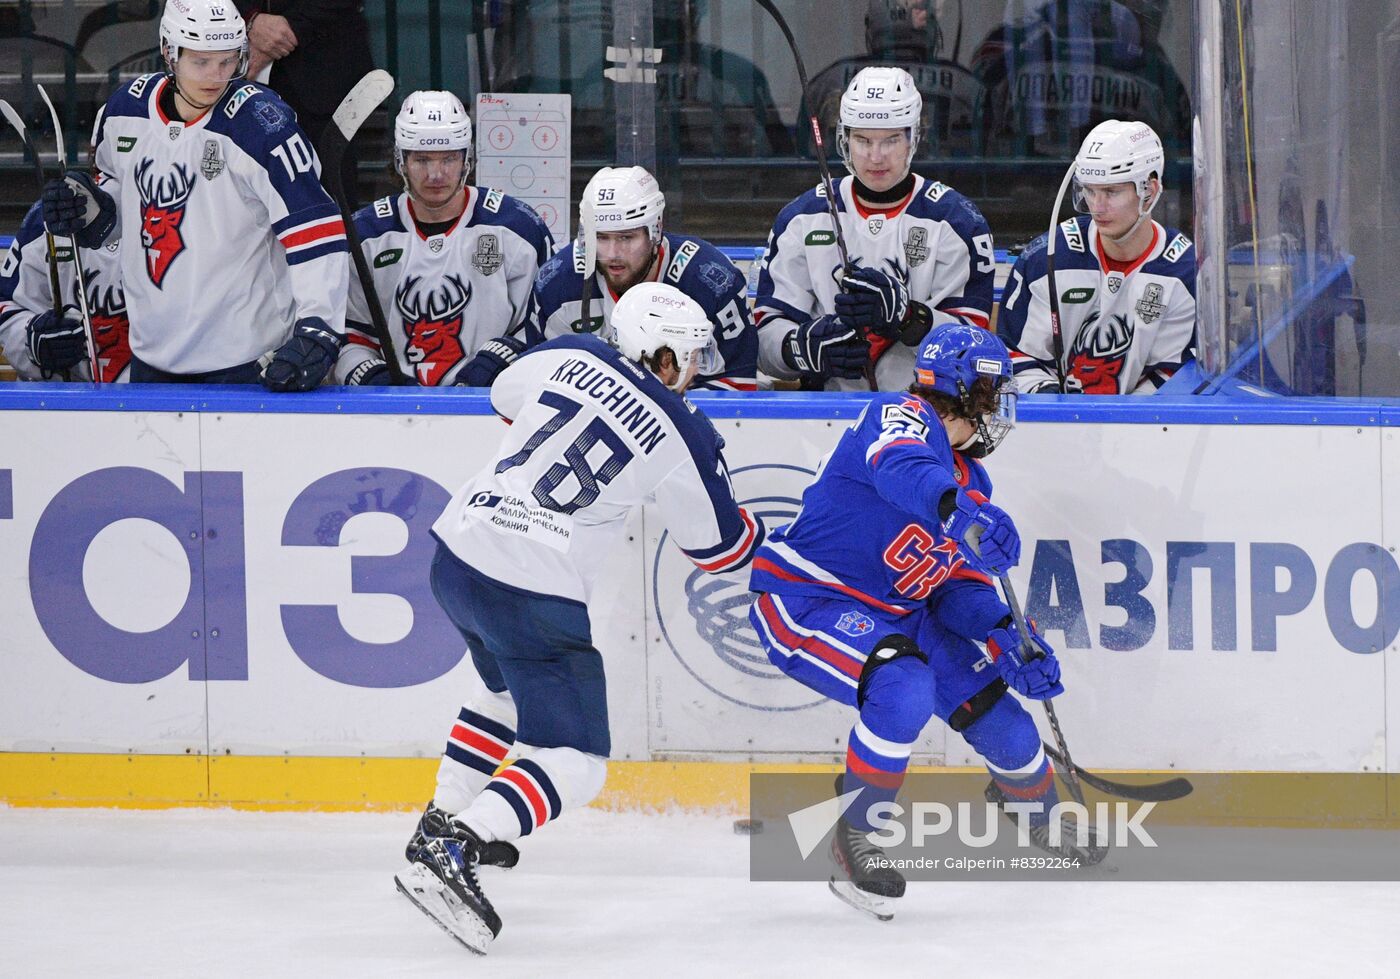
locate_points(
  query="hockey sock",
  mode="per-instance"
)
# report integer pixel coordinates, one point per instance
(1032, 782)
(477, 746)
(876, 767)
(531, 791)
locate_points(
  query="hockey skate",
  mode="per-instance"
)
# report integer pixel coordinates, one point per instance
(1069, 847)
(441, 882)
(436, 823)
(862, 877)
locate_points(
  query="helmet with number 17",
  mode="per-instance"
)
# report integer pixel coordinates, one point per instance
(880, 98)
(652, 317)
(971, 369)
(1119, 152)
(202, 25)
(432, 122)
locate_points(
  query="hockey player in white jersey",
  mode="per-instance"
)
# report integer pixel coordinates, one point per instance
(920, 252)
(233, 254)
(595, 433)
(452, 264)
(1126, 284)
(622, 209)
(41, 344)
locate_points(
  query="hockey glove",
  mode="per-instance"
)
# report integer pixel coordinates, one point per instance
(873, 302)
(986, 535)
(56, 342)
(76, 206)
(370, 373)
(303, 361)
(826, 347)
(1030, 667)
(493, 357)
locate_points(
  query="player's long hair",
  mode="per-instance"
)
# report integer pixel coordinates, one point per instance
(980, 401)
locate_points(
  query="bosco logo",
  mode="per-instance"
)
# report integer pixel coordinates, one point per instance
(704, 619)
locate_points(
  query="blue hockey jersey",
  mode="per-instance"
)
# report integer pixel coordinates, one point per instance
(868, 527)
(692, 265)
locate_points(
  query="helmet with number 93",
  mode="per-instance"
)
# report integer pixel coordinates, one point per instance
(432, 122)
(971, 367)
(652, 317)
(880, 98)
(620, 199)
(203, 25)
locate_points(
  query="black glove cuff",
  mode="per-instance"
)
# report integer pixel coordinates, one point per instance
(917, 322)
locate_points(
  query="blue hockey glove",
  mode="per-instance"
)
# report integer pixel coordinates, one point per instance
(56, 342)
(1030, 668)
(873, 302)
(76, 206)
(370, 373)
(985, 533)
(828, 348)
(493, 357)
(303, 361)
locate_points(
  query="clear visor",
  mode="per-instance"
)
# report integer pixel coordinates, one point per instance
(706, 360)
(996, 425)
(1102, 197)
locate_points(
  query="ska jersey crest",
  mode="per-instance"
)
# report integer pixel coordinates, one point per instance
(1098, 353)
(432, 322)
(703, 619)
(164, 198)
(110, 327)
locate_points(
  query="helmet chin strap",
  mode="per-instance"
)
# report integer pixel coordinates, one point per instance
(1142, 216)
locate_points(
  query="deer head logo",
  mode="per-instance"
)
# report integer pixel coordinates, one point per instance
(163, 201)
(432, 319)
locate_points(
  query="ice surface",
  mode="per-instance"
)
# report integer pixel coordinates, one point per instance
(214, 893)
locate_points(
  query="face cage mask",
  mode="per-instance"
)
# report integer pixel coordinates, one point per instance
(401, 162)
(993, 426)
(843, 147)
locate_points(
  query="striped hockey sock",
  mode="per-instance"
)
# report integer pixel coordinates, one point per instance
(874, 766)
(1032, 782)
(476, 747)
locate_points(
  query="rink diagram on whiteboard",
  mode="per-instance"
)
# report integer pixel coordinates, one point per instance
(523, 150)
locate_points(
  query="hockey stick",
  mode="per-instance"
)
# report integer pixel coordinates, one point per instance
(1172, 788)
(1057, 342)
(347, 119)
(77, 251)
(587, 263)
(55, 289)
(828, 187)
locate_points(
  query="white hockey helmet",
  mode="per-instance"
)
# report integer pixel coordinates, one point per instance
(1118, 152)
(620, 199)
(880, 98)
(202, 25)
(651, 316)
(432, 121)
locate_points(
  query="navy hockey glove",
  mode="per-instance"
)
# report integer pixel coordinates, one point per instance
(985, 533)
(873, 302)
(76, 206)
(493, 357)
(1030, 667)
(370, 373)
(56, 342)
(303, 361)
(828, 348)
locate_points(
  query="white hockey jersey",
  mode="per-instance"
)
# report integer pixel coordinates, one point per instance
(695, 267)
(229, 236)
(592, 436)
(1123, 332)
(25, 292)
(443, 296)
(937, 242)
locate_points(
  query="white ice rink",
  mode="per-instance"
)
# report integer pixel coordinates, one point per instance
(214, 893)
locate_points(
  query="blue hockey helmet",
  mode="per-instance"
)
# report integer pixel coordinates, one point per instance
(953, 358)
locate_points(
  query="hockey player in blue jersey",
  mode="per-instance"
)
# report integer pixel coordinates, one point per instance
(887, 613)
(452, 264)
(922, 253)
(621, 210)
(595, 432)
(233, 256)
